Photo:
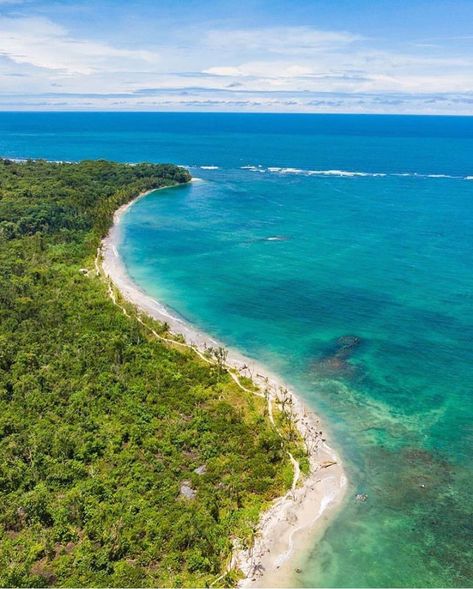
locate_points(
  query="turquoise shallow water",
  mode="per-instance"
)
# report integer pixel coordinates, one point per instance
(308, 230)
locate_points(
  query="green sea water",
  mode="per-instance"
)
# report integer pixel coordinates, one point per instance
(303, 230)
(282, 268)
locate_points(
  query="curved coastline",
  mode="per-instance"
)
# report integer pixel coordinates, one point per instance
(288, 529)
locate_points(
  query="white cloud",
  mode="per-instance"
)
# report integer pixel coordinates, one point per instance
(282, 68)
(44, 44)
(307, 59)
(363, 70)
(285, 40)
(275, 102)
(262, 69)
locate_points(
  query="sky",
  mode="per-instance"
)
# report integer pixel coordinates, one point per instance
(358, 56)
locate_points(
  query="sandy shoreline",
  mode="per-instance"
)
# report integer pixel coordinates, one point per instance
(288, 528)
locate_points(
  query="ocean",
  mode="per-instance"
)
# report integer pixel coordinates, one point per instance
(338, 251)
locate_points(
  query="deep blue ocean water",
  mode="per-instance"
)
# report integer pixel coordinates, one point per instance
(305, 229)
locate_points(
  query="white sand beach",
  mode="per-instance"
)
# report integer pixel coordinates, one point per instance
(290, 527)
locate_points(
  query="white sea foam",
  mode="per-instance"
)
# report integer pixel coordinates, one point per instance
(209, 168)
(417, 175)
(24, 160)
(345, 173)
(291, 171)
(254, 169)
(341, 173)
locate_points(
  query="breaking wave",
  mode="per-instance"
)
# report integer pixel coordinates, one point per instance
(345, 173)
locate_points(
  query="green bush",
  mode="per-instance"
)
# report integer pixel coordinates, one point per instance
(99, 423)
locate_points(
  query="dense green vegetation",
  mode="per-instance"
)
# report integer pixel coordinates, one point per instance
(100, 425)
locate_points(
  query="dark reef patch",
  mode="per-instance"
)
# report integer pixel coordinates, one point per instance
(335, 362)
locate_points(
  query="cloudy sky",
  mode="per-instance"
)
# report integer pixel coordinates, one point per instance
(391, 56)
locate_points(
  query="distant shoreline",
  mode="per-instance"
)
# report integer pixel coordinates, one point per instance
(287, 529)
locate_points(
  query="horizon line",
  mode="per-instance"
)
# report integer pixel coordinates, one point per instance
(216, 112)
